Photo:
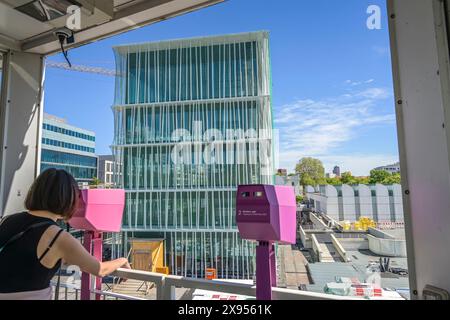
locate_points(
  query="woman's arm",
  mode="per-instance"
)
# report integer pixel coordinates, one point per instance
(109, 267)
(73, 253)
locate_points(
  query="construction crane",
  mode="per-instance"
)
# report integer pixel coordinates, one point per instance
(80, 68)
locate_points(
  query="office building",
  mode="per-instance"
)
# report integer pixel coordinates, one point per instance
(70, 148)
(193, 120)
(337, 171)
(392, 168)
(106, 168)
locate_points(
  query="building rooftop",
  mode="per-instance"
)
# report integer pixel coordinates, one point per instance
(195, 41)
(324, 272)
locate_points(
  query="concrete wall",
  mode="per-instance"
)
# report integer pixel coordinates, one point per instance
(397, 203)
(385, 244)
(339, 248)
(374, 202)
(365, 201)
(316, 247)
(354, 244)
(348, 203)
(318, 223)
(306, 240)
(382, 203)
(380, 234)
(387, 247)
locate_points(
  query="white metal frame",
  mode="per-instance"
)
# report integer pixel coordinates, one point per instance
(420, 54)
(21, 113)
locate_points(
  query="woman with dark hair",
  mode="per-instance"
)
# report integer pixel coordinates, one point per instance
(33, 246)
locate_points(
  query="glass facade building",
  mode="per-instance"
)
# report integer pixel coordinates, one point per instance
(193, 120)
(69, 148)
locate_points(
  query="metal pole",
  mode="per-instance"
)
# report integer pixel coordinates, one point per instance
(93, 243)
(98, 253)
(85, 277)
(265, 270)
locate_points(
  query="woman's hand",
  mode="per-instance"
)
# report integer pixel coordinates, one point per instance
(126, 265)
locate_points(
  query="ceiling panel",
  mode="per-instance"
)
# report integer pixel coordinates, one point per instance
(19, 26)
(18, 30)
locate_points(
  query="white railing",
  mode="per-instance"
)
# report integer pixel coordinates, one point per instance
(166, 284)
(69, 291)
(115, 296)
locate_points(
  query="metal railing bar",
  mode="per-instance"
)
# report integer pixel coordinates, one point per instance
(116, 295)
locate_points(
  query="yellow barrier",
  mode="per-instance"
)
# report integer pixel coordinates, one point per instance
(363, 224)
(162, 270)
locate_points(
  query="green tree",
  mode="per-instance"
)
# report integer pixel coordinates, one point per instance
(311, 172)
(378, 176)
(384, 177)
(299, 199)
(362, 180)
(392, 179)
(347, 178)
(95, 182)
(334, 181)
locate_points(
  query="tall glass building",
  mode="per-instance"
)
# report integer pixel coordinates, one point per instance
(70, 148)
(193, 120)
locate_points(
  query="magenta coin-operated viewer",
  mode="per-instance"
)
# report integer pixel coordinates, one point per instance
(98, 211)
(266, 214)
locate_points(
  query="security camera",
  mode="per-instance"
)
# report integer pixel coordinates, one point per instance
(65, 35)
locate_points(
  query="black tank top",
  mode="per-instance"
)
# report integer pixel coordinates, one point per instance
(20, 268)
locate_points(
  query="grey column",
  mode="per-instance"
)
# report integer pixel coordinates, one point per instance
(21, 113)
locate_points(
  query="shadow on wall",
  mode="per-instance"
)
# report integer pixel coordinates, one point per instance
(19, 149)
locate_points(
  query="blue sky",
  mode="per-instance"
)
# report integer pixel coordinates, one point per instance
(332, 82)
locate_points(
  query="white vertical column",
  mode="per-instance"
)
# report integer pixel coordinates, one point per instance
(382, 203)
(365, 201)
(398, 203)
(21, 112)
(348, 203)
(420, 55)
(332, 203)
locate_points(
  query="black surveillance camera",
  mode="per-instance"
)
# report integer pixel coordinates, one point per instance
(65, 35)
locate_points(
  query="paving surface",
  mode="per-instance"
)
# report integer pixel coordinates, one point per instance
(329, 253)
(292, 271)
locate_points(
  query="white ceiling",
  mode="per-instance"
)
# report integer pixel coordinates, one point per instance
(21, 32)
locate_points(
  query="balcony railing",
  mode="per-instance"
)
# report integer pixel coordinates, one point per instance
(166, 284)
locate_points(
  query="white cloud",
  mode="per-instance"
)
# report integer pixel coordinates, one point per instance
(381, 51)
(374, 93)
(318, 128)
(358, 83)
